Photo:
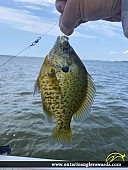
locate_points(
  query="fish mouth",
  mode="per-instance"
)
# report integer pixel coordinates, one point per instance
(64, 39)
(65, 69)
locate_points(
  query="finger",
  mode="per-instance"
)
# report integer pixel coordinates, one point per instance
(66, 31)
(70, 18)
(60, 5)
(63, 29)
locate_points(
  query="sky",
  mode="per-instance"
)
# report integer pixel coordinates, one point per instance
(23, 21)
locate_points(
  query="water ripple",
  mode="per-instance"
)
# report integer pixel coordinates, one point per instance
(24, 128)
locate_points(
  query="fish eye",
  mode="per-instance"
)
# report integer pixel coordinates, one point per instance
(65, 69)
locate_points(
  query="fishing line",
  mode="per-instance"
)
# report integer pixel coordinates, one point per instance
(33, 44)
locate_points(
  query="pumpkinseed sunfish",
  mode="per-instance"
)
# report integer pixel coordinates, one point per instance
(67, 90)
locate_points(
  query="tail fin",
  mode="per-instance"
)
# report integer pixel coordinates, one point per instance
(62, 136)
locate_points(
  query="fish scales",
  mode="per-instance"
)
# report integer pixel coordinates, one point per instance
(67, 90)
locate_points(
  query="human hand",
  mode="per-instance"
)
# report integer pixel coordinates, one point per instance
(75, 12)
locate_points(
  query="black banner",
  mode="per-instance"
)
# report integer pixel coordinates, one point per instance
(62, 164)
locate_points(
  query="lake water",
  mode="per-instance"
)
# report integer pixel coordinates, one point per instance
(23, 125)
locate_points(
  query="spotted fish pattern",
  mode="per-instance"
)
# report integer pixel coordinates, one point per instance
(67, 90)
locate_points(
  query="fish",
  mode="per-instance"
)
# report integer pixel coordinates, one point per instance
(67, 90)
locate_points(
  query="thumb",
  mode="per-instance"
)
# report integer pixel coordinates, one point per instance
(70, 17)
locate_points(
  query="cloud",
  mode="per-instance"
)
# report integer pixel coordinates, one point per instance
(33, 7)
(24, 20)
(110, 29)
(37, 5)
(37, 2)
(104, 27)
(114, 52)
(117, 52)
(125, 52)
(80, 35)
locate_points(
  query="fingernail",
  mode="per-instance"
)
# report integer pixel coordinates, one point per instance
(65, 30)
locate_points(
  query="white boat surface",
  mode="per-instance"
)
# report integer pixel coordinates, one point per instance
(18, 158)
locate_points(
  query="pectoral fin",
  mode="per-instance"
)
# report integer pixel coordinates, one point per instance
(36, 87)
